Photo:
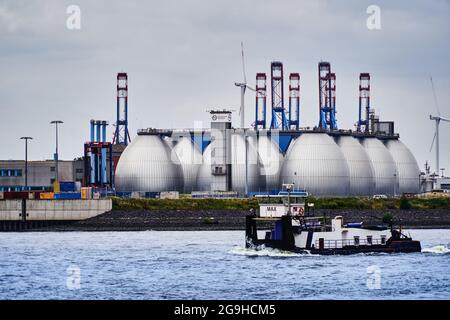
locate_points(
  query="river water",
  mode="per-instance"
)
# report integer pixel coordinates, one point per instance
(210, 265)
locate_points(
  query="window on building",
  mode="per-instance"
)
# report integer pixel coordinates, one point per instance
(52, 169)
(17, 173)
(10, 172)
(52, 180)
(2, 172)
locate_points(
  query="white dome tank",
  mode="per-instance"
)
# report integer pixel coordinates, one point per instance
(204, 171)
(237, 166)
(146, 165)
(362, 181)
(271, 160)
(407, 168)
(190, 159)
(384, 169)
(315, 163)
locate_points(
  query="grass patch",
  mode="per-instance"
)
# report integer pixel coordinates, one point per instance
(183, 204)
(247, 204)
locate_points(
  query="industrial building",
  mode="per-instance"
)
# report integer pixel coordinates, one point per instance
(41, 174)
(322, 160)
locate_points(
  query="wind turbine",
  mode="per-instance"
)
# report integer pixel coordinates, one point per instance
(437, 120)
(243, 86)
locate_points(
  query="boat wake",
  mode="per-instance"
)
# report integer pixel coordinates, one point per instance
(262, 251)
(437, 249)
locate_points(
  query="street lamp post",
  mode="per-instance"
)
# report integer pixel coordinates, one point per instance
(56, 122)
(26, 159)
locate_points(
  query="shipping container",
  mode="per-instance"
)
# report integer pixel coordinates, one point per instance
(67, 186)
(67, 196)
(56, 186)
(10, 195)
(86, 193)
(47, 196)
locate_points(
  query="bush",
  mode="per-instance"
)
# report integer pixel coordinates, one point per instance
(388, 218)
(405, 204)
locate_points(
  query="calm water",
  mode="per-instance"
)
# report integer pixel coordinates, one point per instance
(209, 265)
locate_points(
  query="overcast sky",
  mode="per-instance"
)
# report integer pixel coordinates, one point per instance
(183, 57)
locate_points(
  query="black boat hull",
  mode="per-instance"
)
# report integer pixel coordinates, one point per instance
(395, 244)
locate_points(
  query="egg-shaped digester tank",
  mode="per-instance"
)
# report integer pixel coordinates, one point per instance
(315, 163)
(271, 161)
(362, 181)
(407, 168)
(147, 164)
(190, 159)
(384, 168)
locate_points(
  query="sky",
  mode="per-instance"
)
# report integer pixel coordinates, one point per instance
(183, 58)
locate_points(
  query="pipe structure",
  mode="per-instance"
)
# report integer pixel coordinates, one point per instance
(104, 178)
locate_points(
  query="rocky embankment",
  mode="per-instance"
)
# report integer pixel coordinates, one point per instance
(139, 220)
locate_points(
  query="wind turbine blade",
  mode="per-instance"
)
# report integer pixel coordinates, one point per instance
(445, 119)
(253, 89)
(243, 62)
(432, 142)
(435, 98)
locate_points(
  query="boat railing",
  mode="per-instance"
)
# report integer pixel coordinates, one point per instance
(333, 244)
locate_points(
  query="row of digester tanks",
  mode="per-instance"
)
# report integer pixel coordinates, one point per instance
(323, 165)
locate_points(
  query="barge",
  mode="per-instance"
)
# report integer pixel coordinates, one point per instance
(290, 225)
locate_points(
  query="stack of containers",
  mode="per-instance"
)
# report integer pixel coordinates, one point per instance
(66, 190)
